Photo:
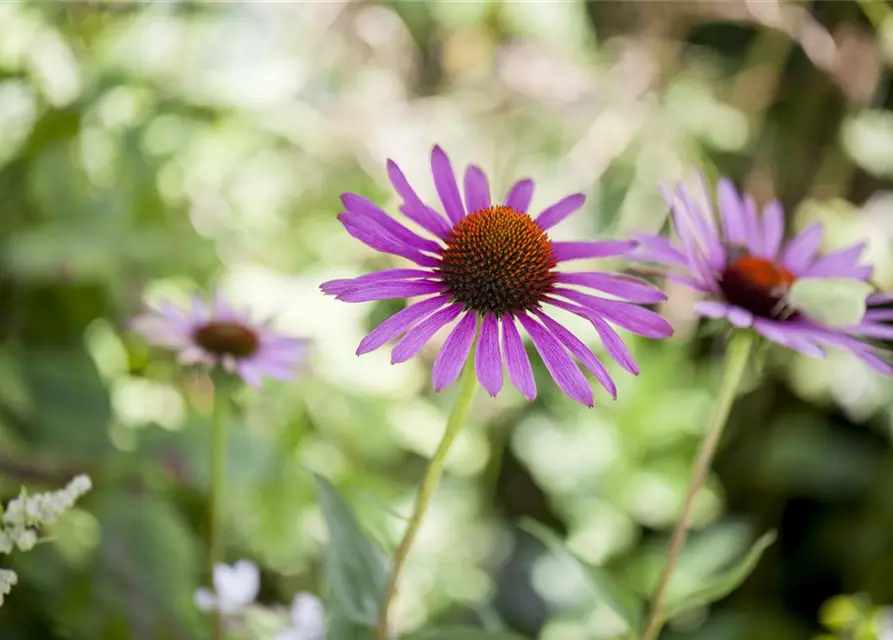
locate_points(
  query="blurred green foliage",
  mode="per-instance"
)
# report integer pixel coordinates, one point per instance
(152, 149)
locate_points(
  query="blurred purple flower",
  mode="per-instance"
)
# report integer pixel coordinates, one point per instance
(217, 334)
(745, 268)
(493, 265)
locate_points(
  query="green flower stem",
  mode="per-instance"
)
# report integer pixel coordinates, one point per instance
(467, 388)
(736, 361)
(219, 418)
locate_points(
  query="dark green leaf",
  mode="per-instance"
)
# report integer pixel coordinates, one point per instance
(724, 582)
(342, 627)
(356, 568)
(621, 601)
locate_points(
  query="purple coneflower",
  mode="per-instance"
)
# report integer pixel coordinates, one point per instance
(745, 269)
(218, 334)
(494, 265)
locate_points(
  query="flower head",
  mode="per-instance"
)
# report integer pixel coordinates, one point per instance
(746, 269)
(492, 267)
(218, 334)
(308, 619)
(235, 588)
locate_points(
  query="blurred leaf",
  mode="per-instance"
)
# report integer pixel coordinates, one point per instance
(621, 601)
(461, 633)
(70, 407)
(723, 583)
(357, 571)
(342, 627)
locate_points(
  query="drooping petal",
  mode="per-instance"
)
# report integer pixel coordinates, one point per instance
(400, 322)
(249, 373)
(341, 285)
(741, 318)
(390, 290)
(598, 249)
(787, 335)
(731, 208)
(560, 365)
(372, 235)
(519, 195)
(615, 284)
(580, 350)
(359, 204)
(802, 249)
(516, 360)
(445, 183)
(873, 330)
(160, 331)
(419, 336)
(454, 352)
(712, 308)
(415, 209)
(613, 343)
(477, 192)
(557, 212)
(773, 229)
(487, 357)
(628, 316)
(879, 315)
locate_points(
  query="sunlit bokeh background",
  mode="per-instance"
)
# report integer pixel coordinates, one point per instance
(156, 149)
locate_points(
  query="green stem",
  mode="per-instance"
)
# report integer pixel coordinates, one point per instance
(736, 361)
(467, 388)
(219, 418)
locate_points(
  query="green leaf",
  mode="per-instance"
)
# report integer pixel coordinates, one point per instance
(620, 600)
(834, 301)
(342, 627)
(724, 582)
(355, 566)
(461, 633)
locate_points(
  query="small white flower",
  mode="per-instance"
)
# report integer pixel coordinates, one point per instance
(308, 619)
(235, 587)
(7, 581)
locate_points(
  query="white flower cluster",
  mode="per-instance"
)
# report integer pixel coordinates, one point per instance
(237, 586)
(24, 514)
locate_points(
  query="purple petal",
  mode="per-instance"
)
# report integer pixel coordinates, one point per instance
(580, 250)
(400, 322)
(879, 315)
(580, 350)
(477, 192)
(712, 308)
(628, 316)
(754, 229)
(837, 263)
(788, 335)
(739, 317)
(557, 212)
(454, 352)
(686, 226)
(801, 250)
(731, 209)
(415, 209)
(876, 299)
(372, 235)
(341, 285)
(560, 365)
(250, 374)
(487, 358)
(872, 330)
(874, 361)
(419, 336)
(613, 343)
(615, 284)
(389, 290)
(773, 229)
(658, 249)
(359, 204)
(693, 283)
(519, 195)
(160, 331)
(445, 182)
(516, 360)
(705, 230)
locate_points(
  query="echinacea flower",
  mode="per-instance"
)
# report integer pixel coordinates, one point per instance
(216, 334)
(493, 265)
(235, 588)
(743, 266)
